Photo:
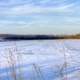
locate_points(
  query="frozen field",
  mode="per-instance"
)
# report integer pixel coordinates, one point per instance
(40, 60)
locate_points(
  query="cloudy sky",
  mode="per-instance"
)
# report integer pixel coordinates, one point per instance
(40, 16)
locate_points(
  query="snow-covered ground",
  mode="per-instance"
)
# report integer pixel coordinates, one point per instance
(40, 60)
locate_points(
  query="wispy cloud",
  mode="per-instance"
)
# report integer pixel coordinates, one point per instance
(33, 7)
(41, 13)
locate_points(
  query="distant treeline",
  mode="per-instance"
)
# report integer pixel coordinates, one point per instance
(77, 36)
(37, 37)
(30, 37)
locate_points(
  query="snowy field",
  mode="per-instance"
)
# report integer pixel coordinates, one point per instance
(40, 60)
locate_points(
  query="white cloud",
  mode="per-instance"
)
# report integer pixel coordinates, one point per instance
(31, 9)
(72, 20)
(10, 22)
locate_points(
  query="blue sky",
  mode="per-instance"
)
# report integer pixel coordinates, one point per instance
(40, 16)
